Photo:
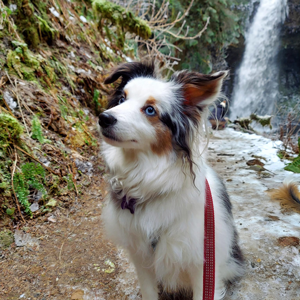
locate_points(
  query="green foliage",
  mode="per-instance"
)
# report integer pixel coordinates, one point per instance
(32, 176)
(294, 166)
(70, 183)
(224, 28)
(46, 30)
(37, 132)
(96, 100)
(22, 192)
(10, 131)
(124, 20)
(10, 211)
(35, 176)
(5, 176)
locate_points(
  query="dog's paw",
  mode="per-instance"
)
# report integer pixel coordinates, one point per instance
(220, 291)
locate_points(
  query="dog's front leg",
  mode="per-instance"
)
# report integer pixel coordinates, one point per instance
(196, 275)
(147, 278)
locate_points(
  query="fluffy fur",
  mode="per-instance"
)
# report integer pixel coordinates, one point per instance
(288, 192)
(158, 161)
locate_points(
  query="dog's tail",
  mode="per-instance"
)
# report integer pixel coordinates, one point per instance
(288, 191)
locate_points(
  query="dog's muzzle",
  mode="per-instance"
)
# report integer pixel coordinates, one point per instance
(106, 120)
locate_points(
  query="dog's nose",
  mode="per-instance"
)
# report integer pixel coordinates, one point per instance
(106, 120)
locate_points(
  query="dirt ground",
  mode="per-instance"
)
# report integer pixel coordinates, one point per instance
(67, 257)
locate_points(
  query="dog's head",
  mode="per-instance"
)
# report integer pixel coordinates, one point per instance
(145, 112)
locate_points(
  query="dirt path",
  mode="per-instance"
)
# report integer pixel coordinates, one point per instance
(70, 259)
(269, 230)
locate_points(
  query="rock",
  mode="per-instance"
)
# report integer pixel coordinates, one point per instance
(272, 218)
(253, 162)
(77, 295)
(25, 239)
(84, 167)
(51, 219)
(34, 207)
(288, 241)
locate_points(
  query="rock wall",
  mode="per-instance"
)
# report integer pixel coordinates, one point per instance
(289, 56)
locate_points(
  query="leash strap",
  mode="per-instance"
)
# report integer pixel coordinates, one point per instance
(209, 247)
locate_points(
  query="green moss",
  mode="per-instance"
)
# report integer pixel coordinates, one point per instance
(262, 120)
(47, 31)
(14, 63)
(26, 64)
(123, 19)
(6, 239)
(33, 23)
(10, 131)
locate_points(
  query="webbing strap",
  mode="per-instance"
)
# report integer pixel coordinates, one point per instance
(209, 247)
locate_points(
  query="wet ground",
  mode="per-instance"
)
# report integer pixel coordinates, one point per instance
(67, 256)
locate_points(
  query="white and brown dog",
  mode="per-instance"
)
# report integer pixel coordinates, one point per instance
(153, 150)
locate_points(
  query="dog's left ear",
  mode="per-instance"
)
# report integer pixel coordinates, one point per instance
(131, 70)
(200, 89)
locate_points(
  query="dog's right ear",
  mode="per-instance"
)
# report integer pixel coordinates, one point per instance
(131, 70)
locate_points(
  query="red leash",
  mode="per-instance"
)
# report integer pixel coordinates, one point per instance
(209, 247)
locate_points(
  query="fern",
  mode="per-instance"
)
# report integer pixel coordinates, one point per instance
(37, 132)
(32, 176)
(22, 192)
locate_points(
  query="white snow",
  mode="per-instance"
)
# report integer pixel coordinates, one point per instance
(13, 7)
(83, 19)
(10, 100)
(54, 12)
(128, 59)
(272, 271)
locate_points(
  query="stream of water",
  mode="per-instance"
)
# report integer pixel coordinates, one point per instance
(256, 87)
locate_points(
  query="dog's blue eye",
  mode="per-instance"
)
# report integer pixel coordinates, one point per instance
(150, 111)
(122, 100)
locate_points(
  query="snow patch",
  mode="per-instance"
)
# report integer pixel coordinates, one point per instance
(54, 12)
(10, 100)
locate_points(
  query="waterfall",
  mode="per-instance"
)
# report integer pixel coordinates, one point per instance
(256, 87)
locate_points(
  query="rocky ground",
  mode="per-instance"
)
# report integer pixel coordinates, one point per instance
(65, 255)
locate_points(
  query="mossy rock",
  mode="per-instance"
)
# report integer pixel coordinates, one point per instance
(27, 65)
(10, 131)
(122, 18)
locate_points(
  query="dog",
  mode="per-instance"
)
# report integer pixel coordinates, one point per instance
(153, 148)
(288, 193)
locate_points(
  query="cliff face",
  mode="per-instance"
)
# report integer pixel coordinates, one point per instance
(289, 56)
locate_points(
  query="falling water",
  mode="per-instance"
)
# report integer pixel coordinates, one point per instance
(256, 89)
